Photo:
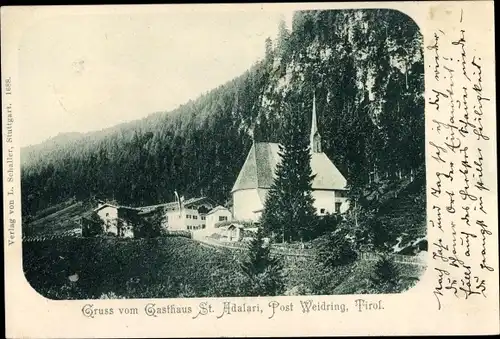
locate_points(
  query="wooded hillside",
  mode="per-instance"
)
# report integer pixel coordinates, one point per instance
(365, 67)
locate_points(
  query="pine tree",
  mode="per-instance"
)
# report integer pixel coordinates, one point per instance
(92, 226)
(283, 38)
(269, 48)
(289, 213)
(336, 248)
(386, 275)
(263, 271)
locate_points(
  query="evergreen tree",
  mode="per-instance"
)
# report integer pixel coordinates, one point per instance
(386, 275)
(336, 248)
(263, 271)
(269, 48)
(283, 38)
(92, 226)
(289, 213)
(149, 225)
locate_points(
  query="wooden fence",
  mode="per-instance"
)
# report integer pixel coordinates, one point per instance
(296, 252)
(37, 238)
(399, 258)
(239, 246)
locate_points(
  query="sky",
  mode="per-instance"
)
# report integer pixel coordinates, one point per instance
(79, 73)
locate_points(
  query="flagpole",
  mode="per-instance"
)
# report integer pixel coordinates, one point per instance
(178, 202)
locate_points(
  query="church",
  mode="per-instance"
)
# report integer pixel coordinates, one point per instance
(258, 172)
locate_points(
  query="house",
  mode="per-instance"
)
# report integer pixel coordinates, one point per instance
(258, 172)
(216, 215)
(184, 215)
(234, 232)
(115, 219)
(231, 233)
(109, 215)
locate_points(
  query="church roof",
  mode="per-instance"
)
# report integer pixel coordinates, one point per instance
(259, 169)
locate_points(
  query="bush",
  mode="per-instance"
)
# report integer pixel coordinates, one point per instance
(379, 235)
(111, 295)
(269, 282)
(226, 282)
(263, 271)
(386, 276)
(244, 223)
(144, 226)
(215, 236)
(176, 233)
(92, 226)
(336, 248)
(327, 224)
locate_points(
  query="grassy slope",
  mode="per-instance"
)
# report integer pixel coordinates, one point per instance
(164, 267)
(167, 268)
(161, 267)
(305, 276)
(61, 219)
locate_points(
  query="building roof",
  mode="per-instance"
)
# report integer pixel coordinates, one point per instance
(197, 200)
(259, 169)
(228, 226)
(149, 208)
(147, 211)
(118, 208)
(216, 209)
(98, 208)
(175, 204)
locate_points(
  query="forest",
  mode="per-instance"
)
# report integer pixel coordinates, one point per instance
(365, 68)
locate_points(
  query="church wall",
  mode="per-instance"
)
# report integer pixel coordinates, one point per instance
(324, 199)
(245, 203)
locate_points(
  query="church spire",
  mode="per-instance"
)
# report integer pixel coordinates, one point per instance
(315, 137)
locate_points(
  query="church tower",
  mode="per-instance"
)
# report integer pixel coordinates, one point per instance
(315, 137)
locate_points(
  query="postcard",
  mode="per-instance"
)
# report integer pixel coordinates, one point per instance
(230, 170)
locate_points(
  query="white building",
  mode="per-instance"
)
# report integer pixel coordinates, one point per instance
(216, 215)
(111, 215)
(258, 173)
(189, 215)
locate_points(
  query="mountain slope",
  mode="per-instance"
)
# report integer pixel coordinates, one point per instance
(365, 67)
